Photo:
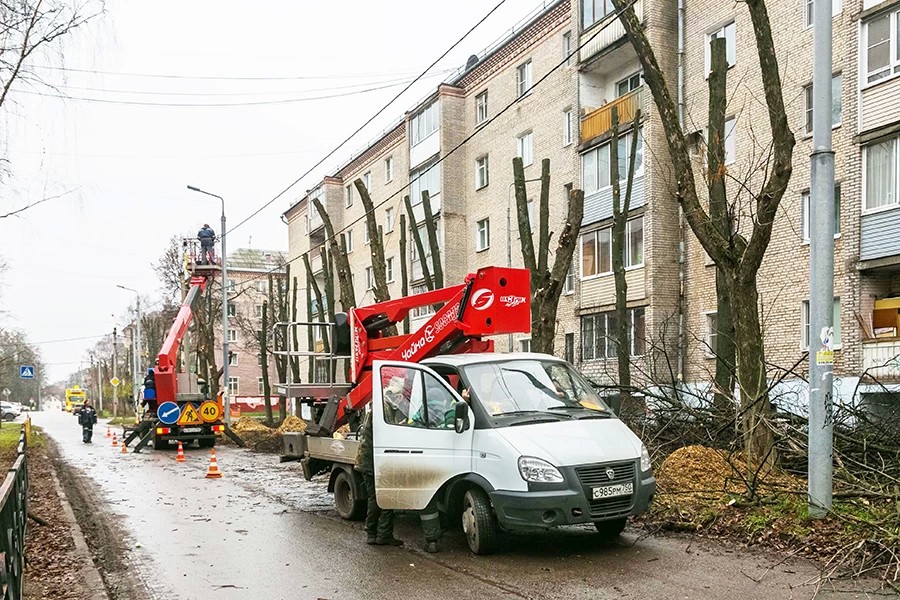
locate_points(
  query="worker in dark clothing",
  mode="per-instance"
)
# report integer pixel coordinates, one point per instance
(87, 418)
(150, 391)
(207, 239)
(379, 523)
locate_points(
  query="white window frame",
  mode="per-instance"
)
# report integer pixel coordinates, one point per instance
(425, 123)
(628, 80)
(597, 185)
(529, 206)
(525, 345)
(481, 108)
(836, 9)
(525, 148)
(389, 169)
(567, 47)
(482, 172)
(568, 127)
(389, 219)
(260, 386)
(629, 260)
(805, 328)
(349, 198)
(609, 349)
(370, 278)
(259, 311)
(389, 269)
(606, 5)
(233, 360)
(895, 142)
(597, 266)
(262, 286)
(232, 335)
(427, 175)
(367, 180)
(366, 238)
(868, 77)
(234, 386)
(524, 78)
(482, 234)
(569, 282)
(730, 50)
(349, 240)
(804, 213)
(232, 310)
(808, 104)
(710, 333)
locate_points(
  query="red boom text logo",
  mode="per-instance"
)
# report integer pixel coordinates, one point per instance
(482, 299)
(512, 301)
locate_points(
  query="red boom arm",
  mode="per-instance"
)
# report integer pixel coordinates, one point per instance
(164, 373)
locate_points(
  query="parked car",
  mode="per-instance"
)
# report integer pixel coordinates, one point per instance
(9, 411)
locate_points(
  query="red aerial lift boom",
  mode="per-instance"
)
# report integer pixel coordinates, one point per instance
(164, 373)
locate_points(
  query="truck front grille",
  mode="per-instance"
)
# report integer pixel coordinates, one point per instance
(595, 475)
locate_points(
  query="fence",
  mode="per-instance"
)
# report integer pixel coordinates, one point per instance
(13, 512)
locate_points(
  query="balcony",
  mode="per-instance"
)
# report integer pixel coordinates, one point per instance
(605, 37)
(599, 122)
(881, 359)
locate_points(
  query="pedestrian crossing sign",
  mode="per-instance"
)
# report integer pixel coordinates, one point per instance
(189, 416)
(26, 372)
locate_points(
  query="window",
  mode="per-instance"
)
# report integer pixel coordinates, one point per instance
(348, 240)
(568, 127)
(525, 345)
(425, 122)
(481, 108)
(416, 272)
(420, 311)
(808, 13)
(259, 358)
(232, 359)
(880, 161)
(349, 196)
(593, 11)
(232, 335)
(882, 52)
(569, 284)
(570, 348)
(529, 207)
(232, 310)
(233, 386)
(711, 332)
(596, 249)
(413, 398)
(259, 311)
(260, 388)
(567, 47)
(389, 169)
(730, 140)
(481, 172)
(727, 32)
(370, 278)
(425, 179)
(596, 167)
(835, 103)
(388, 220)
(634, 242)
(367, 180)
(262, 286)
(389, 269)
(629, 84)
(804, 210)
(482, 235)
(366, 238)
(523, 78)
(523, 143)
(836, 321)
(599, 334)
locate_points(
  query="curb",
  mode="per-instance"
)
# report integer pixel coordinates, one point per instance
(89, 572)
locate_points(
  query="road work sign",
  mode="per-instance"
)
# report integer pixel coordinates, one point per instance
(210, 411)
(26, 372)
(189, 416)
(168, 413)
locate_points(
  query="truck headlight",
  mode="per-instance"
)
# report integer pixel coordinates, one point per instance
(646, 465)
(538, 470)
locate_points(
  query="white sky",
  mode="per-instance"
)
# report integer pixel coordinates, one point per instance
(124, 168)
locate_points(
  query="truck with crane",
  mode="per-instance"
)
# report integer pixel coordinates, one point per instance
(497, 441)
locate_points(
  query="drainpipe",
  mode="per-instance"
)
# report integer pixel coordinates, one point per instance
(682, 242)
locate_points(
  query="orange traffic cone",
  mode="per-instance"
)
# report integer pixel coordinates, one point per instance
(124, 448)
(180, 457)
(115, 441)
(213, 472)
(108, 434)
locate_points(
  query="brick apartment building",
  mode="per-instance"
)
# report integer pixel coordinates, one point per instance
(671, 291)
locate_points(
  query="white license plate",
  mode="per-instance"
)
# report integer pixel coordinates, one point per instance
(611, 491)
(192, 430)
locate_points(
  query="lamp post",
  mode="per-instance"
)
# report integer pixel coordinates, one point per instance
(137, 346)
(225, 394)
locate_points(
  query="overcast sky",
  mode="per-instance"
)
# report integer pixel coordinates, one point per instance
(121, 167)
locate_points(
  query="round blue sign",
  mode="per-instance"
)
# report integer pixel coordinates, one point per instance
(168, 413)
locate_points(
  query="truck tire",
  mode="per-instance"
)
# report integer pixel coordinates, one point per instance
(346, 503)
(479, 523)
(610, 530)
(206, 443)
(159, 444)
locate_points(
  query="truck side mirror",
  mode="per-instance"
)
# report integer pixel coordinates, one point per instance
(461, 418)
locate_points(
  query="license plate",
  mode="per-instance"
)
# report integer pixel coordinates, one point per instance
(611, 491)
(192, 430)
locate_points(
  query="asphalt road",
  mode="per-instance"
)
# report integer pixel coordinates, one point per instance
(262, 532)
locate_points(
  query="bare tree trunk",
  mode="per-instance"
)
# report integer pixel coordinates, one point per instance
(404, 274)
(328, 269)
(280, 341)
(431, 231)
(292, 304)
(264, 359)
(376, 245)
(417, 239)
(320, 302)
(345, 275)
(283, 317)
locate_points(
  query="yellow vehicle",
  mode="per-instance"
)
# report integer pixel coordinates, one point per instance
(75, 397)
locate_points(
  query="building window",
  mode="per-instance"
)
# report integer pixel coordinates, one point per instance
(596, 249)
(389, 269)
(599, 334)
(804, 209)
(594, 11)
(569, 284)
(388, 220)
(880, 39)
(835, 103)
(523, 78)
(389, 169)
(727, 32)
(482, 235)
(880, 161)
(570, 348)
(262, 286)
(259, 357)
(524, 151)
(711, 332)
(420, 311)
(260, 388)
(233, 386)
(348, 240)
(370, 278)
(232, 310)
(259, 309)
(425, 122)
(425, 179)
(481, 172)
(529, 208)
(730, 140)
(366, 238)
(568, 127)
(415, 270)
(367, 180)
(481, 108)
(808, 13)
(567, 47)
(232, 359)
(634, 242)
(836, 320)
(629, 84)
(232, 335)
(596, 167)
(349, 196)
(525, 345)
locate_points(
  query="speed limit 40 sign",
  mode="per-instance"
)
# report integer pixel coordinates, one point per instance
(210, 411)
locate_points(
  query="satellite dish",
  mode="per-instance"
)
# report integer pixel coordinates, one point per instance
(473, 60)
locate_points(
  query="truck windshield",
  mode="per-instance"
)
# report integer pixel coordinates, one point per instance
(520, 386)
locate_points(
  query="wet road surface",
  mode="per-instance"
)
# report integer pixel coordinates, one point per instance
(262, 532)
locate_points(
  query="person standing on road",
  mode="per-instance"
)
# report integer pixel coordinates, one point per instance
(379, 523)
(207, 239)
(87, 418)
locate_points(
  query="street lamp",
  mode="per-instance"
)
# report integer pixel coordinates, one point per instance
(224, 307)
(137, 345)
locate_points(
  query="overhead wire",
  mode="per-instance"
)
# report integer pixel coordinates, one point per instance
(222, 77)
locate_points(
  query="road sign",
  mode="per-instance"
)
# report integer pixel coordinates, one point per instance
(115, 382)
(168, 413)
(210, 411)
(190, 416)
(26, 372)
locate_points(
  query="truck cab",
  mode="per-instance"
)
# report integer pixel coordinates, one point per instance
(504, 442)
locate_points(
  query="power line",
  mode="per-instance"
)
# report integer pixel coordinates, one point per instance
(371, 119)
(222, 78)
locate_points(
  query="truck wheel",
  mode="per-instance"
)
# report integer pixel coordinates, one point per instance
(159, 444)
(206, 443)
(346, 503)
(610, 530)
(478, 522)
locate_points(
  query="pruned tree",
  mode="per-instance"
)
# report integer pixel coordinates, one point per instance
(339, 253)
(437, 280)
(404, 273)
(264, 359)
(376, 245)
(279, 305)
(738, 256)
(546, 283)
